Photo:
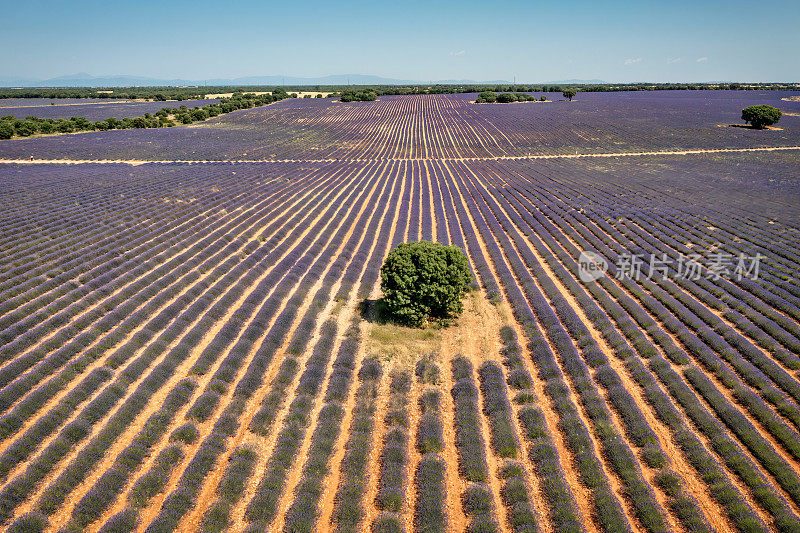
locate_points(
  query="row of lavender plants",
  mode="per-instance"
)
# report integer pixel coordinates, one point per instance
(173, 508)
(680, 357)
(229, 296)
(151, 351)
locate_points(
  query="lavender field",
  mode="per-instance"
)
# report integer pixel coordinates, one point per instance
(441, 126)
(90, 109)
(184, 346)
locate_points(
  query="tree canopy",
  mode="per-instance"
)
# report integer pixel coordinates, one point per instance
(491, 97)
(166, 117)
(761, 116)
(6, 130)
(569, 94)
(365, 95)
(424, 281)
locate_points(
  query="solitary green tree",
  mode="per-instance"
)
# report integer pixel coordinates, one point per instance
(424, 281)
(569, 94)
(761, 116)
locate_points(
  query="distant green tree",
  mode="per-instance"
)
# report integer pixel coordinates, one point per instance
(487, 97)
(543, 98)
(6, 130)
(569, 94)
(423, 281)
(25, 128)
(65, 126)
(761, 116)
(199, 114)
(47, 126)
(81, 123)
(365, 95)
(112, 123)
(506, 98)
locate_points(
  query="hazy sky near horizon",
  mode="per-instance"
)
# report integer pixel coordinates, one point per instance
(615, 40)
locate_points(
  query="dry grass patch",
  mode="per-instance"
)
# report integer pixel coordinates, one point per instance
(401, 345)
(475, 332)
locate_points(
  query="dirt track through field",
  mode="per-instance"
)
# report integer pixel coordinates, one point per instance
(136, 162)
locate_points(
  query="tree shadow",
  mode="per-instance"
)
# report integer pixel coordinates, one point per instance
(751, 127)
(375, 311)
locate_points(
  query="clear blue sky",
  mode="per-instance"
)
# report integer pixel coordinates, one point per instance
(612, 40)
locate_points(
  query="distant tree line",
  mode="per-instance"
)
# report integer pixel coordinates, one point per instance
(553, 88)
(491, 97)
(351, 95)
(187, 93)
(166, 117)
(160, 94)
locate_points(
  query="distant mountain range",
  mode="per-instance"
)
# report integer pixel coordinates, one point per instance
(83, 79)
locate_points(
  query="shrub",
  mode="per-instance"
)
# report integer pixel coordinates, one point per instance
(430, 400)
(365, 95)
(477, 500)
(427, 371)
(123, 522)
(483, 524)
(387, 523)
(430, 514)
(511, 469)
(186, 433)
(29, 523)
(424, 281)
(430, 436)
